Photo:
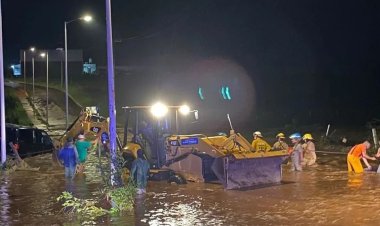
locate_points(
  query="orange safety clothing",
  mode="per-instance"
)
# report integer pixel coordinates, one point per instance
(358, 150)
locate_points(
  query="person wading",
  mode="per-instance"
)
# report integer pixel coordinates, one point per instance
(309, 157)
(83, 147)
(296, 154)
(68, 155)
(139, 172)
(356, 153)
(280, 143)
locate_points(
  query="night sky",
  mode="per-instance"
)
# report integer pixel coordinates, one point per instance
(315, 58)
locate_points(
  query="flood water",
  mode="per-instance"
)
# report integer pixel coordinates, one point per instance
(324, 195)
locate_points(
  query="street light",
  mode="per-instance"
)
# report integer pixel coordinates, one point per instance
(24, 71)
(32, 49)
(43, 55)
(85, 18)
(61, 54)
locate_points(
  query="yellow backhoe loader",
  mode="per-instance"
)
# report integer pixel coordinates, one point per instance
(230, 160)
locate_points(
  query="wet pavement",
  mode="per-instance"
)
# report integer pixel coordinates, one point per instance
(324, 195)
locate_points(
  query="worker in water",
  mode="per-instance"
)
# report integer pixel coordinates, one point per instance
(259, 144)
(139, 172)
(356, 153)
(309, 156)
(280, 143)
(83, 146)
(296, 154)
(68, 155)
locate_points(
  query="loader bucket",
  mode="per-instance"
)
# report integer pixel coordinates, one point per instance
(243, 173)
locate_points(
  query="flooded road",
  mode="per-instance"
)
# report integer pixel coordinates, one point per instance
(324, 195)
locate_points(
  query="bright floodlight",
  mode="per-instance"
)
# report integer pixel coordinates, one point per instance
(43, 54)
(87, 18)
(159, 110)
(32, 49)
(184, 109)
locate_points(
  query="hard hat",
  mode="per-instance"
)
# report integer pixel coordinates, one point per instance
(307, 136)
(295, 136)
(257, 133)
(280, 135)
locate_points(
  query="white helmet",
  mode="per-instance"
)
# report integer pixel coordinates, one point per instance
(257, 133)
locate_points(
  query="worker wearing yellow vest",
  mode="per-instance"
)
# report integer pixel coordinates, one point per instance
(259, 144)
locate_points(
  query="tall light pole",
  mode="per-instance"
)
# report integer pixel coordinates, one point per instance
(2, 97)
(86, 19)
(60, 57)
(32, 49)
(24, 71)
(47, 85)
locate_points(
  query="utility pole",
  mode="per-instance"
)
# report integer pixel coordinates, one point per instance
(24, 71)
(115, 176)
(2, 97)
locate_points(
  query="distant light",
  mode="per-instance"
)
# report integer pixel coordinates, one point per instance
(43, 54)
(184, 110)
(159, 110)
(222, 92)
(227, 91)
(32, 49)
(87, 18)
(200, 93)
(12, 66)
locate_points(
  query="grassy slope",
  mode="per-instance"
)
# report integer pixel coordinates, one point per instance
(14, 112)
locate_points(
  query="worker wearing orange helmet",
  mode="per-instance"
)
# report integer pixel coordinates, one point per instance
(259, 144)
(280, 143)
(356, 153)
(309, 157)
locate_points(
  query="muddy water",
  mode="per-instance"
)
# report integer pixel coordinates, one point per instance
(325, 195)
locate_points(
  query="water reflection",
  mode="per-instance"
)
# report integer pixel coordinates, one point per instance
(325, 195)
(355, 180)
(5, 199)
(140, 210)
(176, 206)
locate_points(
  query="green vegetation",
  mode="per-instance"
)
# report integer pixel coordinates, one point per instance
(14, 111)
(88, 210)
(120, 199)
(88, 91)
(84, 209)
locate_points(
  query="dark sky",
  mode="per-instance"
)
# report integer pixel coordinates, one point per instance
(316, 53)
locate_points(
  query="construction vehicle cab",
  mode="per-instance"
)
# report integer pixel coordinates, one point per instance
(149, 132)
(230, 160)
(88, 123)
